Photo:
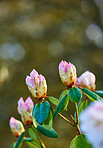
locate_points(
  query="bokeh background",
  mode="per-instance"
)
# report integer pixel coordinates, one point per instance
(39, 34)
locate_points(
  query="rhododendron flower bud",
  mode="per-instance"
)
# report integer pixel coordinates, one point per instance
(67, 73)
(91, 124)
(86, 80)
(25, 110)
(36, 84)
(16, 127)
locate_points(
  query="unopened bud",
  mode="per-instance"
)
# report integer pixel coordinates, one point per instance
(36, 84)
(16, 127)
(25, 110)
(86, 80)
(67, 73)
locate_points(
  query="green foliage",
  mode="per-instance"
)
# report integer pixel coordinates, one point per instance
(34, 140)
(48, 122)
(42, 115)
(63, 94)
(61, 106)
(28, 139)
(33, 144)
(41, 111)
(75, 94)
(67, 100)
(35, 123)
(80, 142)
(33, 133)
(20, 141)
(13, 145)
(99, 92)
(91, 95)
(49, 133)
(53, 100)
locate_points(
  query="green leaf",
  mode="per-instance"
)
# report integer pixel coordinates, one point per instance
(64, 107)
(28, 139)
(13, 145)
(67, 100)
(80, 142)
(49, 133)
(33, 144)
(35, 123)
(75, 94)
(48, 122)
(61, 105)
(53, 100)
(33, 133)
(41, 111)
(91, 95)
(20, 140)
(99, 92)
(63, 94)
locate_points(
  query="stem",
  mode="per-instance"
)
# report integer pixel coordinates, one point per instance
(39, 100)
(27, 127)
(77, 123)
(41, 142)
(72, 118)
(66, 119)
(32, 145)
(78, 129)
(77, 113)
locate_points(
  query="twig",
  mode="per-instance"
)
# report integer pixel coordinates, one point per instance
(78, 129)
(72, 118)
(42, 144)
(66, 119)
(77, 123)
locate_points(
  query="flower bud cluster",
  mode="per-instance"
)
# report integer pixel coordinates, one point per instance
(25, 110)
(38, 87)
(68, 77)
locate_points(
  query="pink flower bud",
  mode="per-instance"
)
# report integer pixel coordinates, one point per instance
(91, 123)
(67, 73)
(16, 127)
(86, 80)
(25, 110)
(36, 84)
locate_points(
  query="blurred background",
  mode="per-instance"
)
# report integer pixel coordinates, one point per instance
(39, 34)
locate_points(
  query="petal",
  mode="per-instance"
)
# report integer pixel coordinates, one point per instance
(29, 82)
(20, 104)
(33, 74)
(29, 101)
(11, 121)
(41, 78)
